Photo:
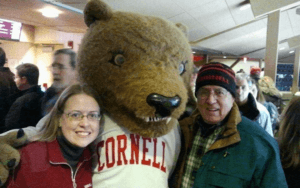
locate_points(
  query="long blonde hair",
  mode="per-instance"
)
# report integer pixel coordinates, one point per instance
(289, 134)
(51, 127)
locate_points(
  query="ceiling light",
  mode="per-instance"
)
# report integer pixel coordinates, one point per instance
(224, 57)
(50, 12)
(291, 52)
(245, 59)
(282, 48)
(245, 7)
(194, 52)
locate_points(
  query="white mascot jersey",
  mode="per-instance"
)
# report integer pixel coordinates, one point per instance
(127, 160)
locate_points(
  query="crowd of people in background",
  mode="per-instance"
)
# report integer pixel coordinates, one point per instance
(237, 117)
(22, 101)
(248, 105)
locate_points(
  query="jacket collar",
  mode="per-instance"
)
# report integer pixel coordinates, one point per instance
(35, 89)
(253, 112)
(228, 137)
(56, 156)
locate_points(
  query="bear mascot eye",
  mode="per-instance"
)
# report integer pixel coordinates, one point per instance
(182, 68)
(119, 59)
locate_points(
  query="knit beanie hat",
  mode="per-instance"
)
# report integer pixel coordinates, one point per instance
(255, 73)
(216, 73)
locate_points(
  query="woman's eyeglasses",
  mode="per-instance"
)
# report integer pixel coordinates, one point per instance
(78, 116)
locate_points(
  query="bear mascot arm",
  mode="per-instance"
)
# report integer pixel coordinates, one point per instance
(141, 66)
(10, 157)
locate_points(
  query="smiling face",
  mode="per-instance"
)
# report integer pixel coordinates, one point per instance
(80, 132)
(214, 104)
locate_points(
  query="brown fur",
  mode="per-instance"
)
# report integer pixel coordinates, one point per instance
(153, 49)
(8, 153)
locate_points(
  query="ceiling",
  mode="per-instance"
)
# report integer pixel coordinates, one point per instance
(215, 26)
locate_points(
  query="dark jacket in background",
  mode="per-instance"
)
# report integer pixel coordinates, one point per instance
(25, 110)
(49, 100)
(292, 174)
(292, 177)
(7, 88)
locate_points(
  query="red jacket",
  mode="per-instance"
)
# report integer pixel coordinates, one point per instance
(43, 165)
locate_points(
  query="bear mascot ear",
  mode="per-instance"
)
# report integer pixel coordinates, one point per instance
(9, 156)
(183, 28)
(96, 10)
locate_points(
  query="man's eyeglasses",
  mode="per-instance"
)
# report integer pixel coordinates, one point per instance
(204, 93)
(58, 66)
(78, 116)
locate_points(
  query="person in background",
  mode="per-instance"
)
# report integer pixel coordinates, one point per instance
(272, 109)
(271, 93)
(247, 104)
(64, 74)
(26, 105)
(7, 88)
(61, 156)
(220, 147)
(255, 73)
(289, 142)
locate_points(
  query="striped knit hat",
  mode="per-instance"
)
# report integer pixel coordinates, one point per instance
(216, 73)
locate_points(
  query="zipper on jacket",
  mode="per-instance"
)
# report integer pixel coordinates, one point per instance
(73, 179)
(72, 176)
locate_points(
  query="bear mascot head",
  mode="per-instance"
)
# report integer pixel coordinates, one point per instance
(140, 65)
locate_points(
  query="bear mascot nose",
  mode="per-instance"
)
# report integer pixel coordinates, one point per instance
(162, 104)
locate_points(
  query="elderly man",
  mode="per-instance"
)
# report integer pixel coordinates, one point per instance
(64, 74)
(221, 148)
(248, 105)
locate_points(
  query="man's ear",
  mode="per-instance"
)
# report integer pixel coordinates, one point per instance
(24, 80)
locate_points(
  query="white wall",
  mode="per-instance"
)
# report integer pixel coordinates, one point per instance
(30, 48)
(18, 53)
(48, 36)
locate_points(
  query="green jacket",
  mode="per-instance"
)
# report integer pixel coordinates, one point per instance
(247, 156)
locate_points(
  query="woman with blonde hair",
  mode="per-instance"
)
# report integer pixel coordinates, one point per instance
(61, 156)
(289, 142)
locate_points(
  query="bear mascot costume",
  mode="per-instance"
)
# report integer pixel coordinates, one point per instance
(141, 67)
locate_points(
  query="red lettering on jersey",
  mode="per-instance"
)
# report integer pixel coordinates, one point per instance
(155, 164)
(135, 144)
(163, 168)
(121, 150)
(112, 154)
(154, 160)
(100, 145)
(145, 150)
